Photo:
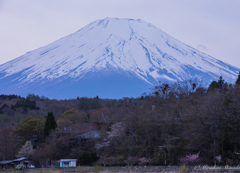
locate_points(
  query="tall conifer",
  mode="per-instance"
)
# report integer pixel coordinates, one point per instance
(50, 124)
(238, 79)
(220, 82)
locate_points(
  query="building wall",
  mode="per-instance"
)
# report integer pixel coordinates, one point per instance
(71, 164)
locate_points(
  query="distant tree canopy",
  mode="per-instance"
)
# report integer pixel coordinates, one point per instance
(50, 124)
(180, 123)
(88, 103)
(3, 106)
(26, 103)
(86, 158)
(30, 127)
(69, 112)
(9, 97)
(112, 103)
(214, 85)
(72, 117)
(33, 96)
(217, 85)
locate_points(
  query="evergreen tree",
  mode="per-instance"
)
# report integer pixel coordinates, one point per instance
(214, 85)
(220, 82)
(86, 103)
(238, 79)
(50, 124)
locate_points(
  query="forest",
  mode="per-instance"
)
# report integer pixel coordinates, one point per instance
(177, 124)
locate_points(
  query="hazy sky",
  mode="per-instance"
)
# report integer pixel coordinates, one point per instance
(211, 26)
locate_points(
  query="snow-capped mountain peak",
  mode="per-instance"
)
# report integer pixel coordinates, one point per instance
(125, 46)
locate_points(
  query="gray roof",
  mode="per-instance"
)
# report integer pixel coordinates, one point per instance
(20, 159)
(90, 134)
(11, 161)
(67, 160)
(5, 162)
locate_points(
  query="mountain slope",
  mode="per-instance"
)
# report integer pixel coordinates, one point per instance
(110, 58)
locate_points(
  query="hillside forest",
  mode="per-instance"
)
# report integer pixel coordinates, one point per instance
(180, 123)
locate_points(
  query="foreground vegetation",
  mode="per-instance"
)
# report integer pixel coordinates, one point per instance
(98, 169)
(182, 123)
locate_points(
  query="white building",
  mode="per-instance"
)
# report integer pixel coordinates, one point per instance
(68, 162)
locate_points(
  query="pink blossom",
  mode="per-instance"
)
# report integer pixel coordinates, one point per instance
(191, 158)
(219, 158)
(144, 161)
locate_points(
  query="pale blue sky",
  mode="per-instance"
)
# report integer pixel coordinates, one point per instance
(211, 26)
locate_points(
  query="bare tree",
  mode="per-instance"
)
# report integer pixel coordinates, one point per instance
(7, 143)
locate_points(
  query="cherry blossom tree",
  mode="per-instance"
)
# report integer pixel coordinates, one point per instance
(117, 131)
(219, 158)
(26, 150)
(144, 161)
(131, 160)
(102, 160)
(191, 158)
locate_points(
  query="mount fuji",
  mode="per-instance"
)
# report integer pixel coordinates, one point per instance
(111, 58)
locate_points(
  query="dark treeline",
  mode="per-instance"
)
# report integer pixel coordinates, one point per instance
(181, 123)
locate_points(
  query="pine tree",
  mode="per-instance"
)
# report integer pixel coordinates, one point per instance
(220, 82)
(214, 85)
(238, 79)
(50, 124)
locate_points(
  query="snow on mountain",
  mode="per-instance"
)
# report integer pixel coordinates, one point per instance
(122, 52)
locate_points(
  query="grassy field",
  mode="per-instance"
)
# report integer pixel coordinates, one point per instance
(98, 169)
